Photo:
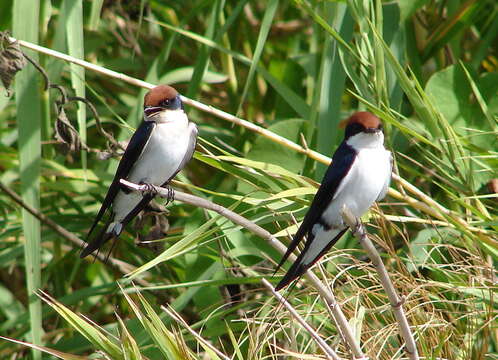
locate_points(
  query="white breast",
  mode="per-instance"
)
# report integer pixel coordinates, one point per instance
(365, 181)
(159, 161)
(164, 153)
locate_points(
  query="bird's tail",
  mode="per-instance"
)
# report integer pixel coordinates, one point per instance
(110, 230)
(301, 264)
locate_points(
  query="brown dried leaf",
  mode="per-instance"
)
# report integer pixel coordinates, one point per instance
(12, 60)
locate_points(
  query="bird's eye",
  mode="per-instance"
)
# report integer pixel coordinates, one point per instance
(165, 103)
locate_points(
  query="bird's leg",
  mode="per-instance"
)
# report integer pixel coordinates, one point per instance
(171, 194)
(358, 226)
(352, 221)
(148, 189)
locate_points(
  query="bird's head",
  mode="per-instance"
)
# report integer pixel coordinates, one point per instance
(161, 100)
(363, 129)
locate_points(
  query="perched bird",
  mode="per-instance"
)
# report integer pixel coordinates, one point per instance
(161, 146)
(360, 174)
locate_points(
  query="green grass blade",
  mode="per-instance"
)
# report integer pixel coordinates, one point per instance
(321, 21)
(91, 332)
(28, 102)
(55, 353)
(73, 11)
(271, 8)
(204, 53)
(479, 98)
(331, 84)
(169, 344)
(95, 10)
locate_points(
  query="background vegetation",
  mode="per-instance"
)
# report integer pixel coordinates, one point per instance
(428, 68)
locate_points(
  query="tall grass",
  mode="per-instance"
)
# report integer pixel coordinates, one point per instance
(29, 120)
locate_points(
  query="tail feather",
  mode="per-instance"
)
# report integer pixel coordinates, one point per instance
(109, 231)
(296, 270)
(299, 267)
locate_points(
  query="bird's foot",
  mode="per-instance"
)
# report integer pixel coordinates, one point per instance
(148, 189)
(357, 228)
(171, 194)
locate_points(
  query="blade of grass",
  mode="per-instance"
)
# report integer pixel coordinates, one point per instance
(271, 8)
(480, 100)
(128, 344)
(28, 102)
(59, 354)
(73, 18)
(90, 331)
(321, 21)
(205, 52)
(95, 10)
(331, 83)
(168, 343)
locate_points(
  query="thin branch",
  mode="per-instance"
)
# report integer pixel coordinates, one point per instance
(329, 352)
(395, 300)
(325, 293)
(427, 205)
(121, 266)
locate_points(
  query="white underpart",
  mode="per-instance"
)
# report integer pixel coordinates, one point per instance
(367, 181)
(158, 162)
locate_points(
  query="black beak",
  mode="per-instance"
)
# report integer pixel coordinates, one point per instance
(151, 110)
(372, 130)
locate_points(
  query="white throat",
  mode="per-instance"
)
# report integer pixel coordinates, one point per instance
(364, 140)
(168, 116)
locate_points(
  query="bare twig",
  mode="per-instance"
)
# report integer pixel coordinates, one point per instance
(329, 352)
(396, 301)
(325, 293)
(118, 264)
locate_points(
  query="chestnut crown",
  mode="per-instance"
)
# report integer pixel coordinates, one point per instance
(163, 97)
(362, 121)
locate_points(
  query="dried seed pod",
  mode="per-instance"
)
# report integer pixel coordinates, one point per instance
(12, 60)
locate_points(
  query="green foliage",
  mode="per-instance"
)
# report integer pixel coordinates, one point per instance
(427, 68)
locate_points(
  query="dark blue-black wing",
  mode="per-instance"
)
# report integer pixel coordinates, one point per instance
(135, 147)
(342, 161)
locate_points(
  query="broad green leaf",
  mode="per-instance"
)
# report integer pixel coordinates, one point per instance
(268, 151)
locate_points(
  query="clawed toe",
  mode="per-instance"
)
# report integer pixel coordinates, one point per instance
(148, 189)
(171, 194)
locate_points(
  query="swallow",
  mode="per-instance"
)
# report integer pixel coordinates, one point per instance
(359, 175)
(161, 146)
